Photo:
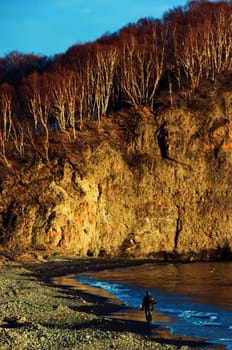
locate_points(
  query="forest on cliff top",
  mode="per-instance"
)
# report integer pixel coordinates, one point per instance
(41, 97)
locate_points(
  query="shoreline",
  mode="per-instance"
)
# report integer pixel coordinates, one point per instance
(58, 316)
(109, 306)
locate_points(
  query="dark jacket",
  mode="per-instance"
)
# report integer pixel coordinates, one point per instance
(148, 302)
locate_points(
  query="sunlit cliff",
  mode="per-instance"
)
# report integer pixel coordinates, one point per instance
(144, 184)
(122, 147)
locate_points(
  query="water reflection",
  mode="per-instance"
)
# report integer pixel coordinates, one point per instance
(194, 300)
(209, 283)
(156, 330)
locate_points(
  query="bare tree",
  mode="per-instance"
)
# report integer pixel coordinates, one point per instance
(6, 99)
(80, 99)
(71, 88)
(191, 56)
(38, 103)
(59, 98)
(106, 63)
(221, 37)
(142, 64)
(201, 40)
(18, 137)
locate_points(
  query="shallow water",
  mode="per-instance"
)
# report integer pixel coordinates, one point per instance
(194, 300)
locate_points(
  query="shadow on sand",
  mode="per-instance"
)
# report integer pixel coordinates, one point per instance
(113, 315)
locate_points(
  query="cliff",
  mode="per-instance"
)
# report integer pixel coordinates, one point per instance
(142, 185)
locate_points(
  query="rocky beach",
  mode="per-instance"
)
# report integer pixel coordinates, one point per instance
(37, 314)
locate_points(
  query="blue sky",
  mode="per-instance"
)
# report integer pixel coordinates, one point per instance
(48, 27)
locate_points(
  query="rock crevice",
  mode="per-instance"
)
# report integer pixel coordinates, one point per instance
(151, 189)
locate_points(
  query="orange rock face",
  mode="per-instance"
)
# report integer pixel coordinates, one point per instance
(126, 196)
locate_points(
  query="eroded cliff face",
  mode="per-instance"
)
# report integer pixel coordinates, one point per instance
(152, 184)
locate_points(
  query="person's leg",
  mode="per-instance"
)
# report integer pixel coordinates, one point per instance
(148, 315)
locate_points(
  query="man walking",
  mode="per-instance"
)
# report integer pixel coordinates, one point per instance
(148, 305)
